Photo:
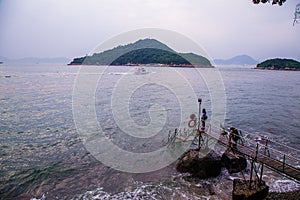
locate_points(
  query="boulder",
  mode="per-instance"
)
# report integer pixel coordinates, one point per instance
(200, 164)
(242, 191)
(234, 162)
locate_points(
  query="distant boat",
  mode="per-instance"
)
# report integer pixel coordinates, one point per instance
(117, 73)
(1, 62)
(140, 71)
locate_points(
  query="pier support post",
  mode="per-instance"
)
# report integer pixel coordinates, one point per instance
(261, 174)
(251, 172)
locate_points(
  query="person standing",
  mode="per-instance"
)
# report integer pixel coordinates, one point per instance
(203, 119)
(233, 138)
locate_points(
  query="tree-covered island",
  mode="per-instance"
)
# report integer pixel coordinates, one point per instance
(144, 52)
(279, 64)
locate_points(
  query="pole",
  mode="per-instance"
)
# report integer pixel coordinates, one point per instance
(199, 120)
(251, 172)
(261, 173)
(199, 113)
(262, 164)
(256, 151)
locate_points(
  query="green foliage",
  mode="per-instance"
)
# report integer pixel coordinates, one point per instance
(278, 63)
(195, 59)
(150, 56)
(159, 56)
(78, 61)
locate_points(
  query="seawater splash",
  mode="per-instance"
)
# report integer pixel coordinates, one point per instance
(284, 186)
(143, 192)
(42, 198)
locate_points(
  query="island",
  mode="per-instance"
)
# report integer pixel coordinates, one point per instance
(237, 60)
(144, 52)
(279, 64)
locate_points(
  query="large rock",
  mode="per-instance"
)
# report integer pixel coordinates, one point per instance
(234, 162)
(241, 190)
(200, 165)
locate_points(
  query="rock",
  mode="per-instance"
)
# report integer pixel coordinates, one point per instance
(291, 195)
(234, 162)
(200, 165)
(241, 190)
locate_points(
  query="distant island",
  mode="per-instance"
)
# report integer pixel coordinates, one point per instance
(35, 60)
(143, 52)
(279, 64)
(237, 60)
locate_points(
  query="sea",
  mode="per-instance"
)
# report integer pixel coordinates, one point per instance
(44, 148)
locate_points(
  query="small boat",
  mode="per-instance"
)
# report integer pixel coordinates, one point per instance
(117, 73)
(141, 70)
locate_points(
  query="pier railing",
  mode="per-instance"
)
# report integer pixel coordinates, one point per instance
(275, 155)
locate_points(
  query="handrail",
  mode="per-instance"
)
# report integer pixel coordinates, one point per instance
(270, 148)
(260, 147)
(276, 159)
(250, 133)
(255, 150)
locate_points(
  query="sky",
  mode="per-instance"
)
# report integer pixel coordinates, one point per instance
(73, 28)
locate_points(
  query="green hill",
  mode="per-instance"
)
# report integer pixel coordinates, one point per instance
(146, 51)
(279, 64)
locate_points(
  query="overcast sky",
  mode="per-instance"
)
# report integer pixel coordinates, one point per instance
(72, 28)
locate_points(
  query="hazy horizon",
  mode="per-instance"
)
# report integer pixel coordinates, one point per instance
(47, 29)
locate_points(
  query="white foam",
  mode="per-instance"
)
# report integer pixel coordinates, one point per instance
(284, 186)
(141, 192)
(42, 198)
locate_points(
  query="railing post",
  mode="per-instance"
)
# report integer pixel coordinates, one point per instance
(209, 126)
(261, 173)
(251, 172)
(266, 148)
(256, 151)
(262, 164)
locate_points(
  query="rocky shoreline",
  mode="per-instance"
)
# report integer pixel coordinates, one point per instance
(279, 64)
(276, 68)
(291, 195)
(208, 164)
(152, 65)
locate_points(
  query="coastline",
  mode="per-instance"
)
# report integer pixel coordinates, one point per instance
(152, 65)
(279, 64)
(277, 68)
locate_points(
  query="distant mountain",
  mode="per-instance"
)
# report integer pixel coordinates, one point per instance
(279, 64)
(3, 59)
(237, 60)
(36, 60)
(145, 51)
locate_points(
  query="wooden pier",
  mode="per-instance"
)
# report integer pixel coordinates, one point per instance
(276, 164)
(257, 152)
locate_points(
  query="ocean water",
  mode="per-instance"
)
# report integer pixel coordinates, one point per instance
(42, 155)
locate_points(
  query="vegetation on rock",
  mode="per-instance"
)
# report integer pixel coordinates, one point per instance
(147, 51)
(279, 64)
